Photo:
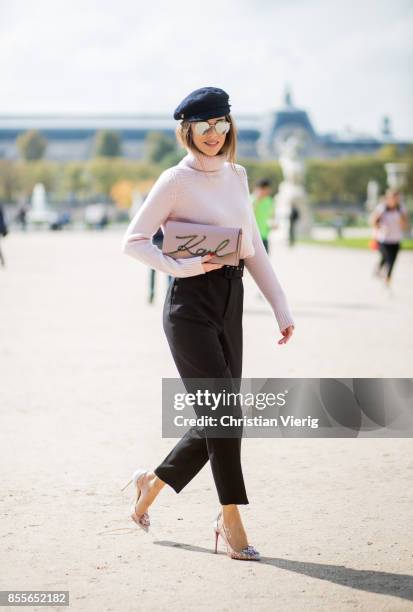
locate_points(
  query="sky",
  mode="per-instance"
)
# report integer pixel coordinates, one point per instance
(347, 63)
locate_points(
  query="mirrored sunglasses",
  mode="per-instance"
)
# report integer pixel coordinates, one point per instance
(202, 127)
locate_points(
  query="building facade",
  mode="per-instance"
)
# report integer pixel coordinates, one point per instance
(260, 137)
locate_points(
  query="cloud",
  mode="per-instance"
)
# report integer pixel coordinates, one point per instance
(348, 63)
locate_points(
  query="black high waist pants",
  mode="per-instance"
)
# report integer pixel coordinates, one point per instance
(388, 251)
(202, 320)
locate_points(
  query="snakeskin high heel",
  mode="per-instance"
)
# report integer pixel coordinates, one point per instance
(248, 553)
(142, 520)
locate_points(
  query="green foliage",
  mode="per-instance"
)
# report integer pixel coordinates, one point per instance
(352, 243)
(343, 180)
(31, 145)
(107, 144)
(257, 170)
(158, 146)
(393, 152)
(339, 181)
(76, 179)
(40, 171)
(105, 172)
(10, 183)
(388, 151)
(171, 159)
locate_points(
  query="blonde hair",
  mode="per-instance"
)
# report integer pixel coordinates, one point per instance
(391, 191)
(183, 134)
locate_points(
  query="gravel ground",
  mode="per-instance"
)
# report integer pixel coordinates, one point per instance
(82, 358)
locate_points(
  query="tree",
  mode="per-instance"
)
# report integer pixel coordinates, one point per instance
(342, 180)
(107, 143)
(31, 145)
(9, 181)
(388, 151)
(75, 179)
(158, 146)
(38, 171)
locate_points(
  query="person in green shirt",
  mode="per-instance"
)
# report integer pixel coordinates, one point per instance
(263, 205)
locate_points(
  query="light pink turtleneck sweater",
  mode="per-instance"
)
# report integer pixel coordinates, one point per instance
(204, 189)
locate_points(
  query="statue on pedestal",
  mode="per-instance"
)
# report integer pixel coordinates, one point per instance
(292, 200)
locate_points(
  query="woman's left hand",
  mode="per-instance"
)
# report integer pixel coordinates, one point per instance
(287, 333)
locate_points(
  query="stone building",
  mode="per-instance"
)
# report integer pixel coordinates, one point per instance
(260, 136)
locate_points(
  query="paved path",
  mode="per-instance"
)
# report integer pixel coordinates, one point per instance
(82, 357)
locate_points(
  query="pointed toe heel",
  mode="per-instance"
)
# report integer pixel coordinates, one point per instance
(142, 520)
(248, 553)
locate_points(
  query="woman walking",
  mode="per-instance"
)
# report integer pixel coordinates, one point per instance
(202, 315)
(390, 221)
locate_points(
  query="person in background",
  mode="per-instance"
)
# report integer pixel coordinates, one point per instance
(390, 221)
(263, 205)
(21, 216)
(294, 216)
(3, 232)
(157, 240)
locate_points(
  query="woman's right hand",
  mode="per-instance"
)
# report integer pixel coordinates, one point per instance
(209, 266)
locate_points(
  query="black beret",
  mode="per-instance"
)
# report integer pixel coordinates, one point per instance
(203, 103)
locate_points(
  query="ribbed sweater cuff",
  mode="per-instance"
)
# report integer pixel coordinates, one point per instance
(284, 318)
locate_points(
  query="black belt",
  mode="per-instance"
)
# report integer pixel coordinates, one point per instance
(231, 271)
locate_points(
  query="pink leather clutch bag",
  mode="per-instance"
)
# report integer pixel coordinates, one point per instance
(184, 239)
